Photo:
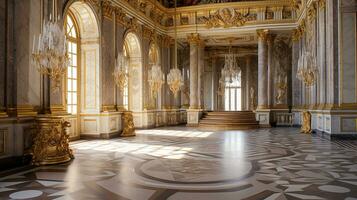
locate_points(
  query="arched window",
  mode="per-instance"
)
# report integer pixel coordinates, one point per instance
(232, 94)
(126, 88)
(72, 70)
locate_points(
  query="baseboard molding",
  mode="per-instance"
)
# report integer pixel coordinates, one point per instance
(335, 136)
(11, 163)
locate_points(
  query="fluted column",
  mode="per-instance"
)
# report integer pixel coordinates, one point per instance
(271, 69)
(214, 82)
(262, 69)
(193, 113)
(248, 80)
(194, 70)
(200, 66)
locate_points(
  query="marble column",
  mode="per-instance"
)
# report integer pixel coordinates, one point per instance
(271, 69)
(262, 69)
(3, 41)
(193, 112)
(194, 72)
(214, 82)
(248, 80)
(200, 72)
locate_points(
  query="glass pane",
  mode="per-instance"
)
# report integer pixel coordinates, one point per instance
(69, 99)
(74, 72)
(74, 109)
(239, 99)
(74, 97)
(69, 85)
(74, 85)
(226, 99)
(74, 60)
(232, 99)
(69, 109)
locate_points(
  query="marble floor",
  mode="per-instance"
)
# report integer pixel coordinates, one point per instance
(180, 163)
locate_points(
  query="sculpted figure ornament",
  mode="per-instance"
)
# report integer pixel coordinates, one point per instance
(252, 98)
(128, 122)
(225, 17)
(51, 141)
(306, 123)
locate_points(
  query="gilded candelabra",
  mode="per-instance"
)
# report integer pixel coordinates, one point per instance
(50, 56)
(174, 78)
(120, 73)
(155, 79)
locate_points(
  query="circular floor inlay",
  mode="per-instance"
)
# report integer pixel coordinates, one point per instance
(26, 194)
(334, 189)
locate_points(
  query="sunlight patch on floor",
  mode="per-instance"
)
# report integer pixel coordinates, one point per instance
(170, 152)
(198, 134)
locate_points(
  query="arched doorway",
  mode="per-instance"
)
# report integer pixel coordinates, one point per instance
(132, 49)
(233, 94)
(82, 80)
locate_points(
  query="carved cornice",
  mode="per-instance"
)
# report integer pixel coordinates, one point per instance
(226, 18)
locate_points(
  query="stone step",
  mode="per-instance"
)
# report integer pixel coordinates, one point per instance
(229, 120)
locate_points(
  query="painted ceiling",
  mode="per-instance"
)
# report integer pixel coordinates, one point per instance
(180, 3)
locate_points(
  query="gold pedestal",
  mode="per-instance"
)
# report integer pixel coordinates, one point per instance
(306, 123)
(51, 144)
(128, 123)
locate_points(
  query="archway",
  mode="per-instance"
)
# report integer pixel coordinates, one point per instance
(133, 51)
(82, 81)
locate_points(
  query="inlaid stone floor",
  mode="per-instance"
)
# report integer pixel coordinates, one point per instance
(180, 163)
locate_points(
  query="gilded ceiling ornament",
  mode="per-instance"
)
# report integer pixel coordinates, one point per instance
(226, 18)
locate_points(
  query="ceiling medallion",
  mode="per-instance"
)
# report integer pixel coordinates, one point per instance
(226, 18)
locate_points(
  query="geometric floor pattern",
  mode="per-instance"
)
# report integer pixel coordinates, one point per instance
(179, 163)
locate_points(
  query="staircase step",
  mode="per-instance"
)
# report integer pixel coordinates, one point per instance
(229, 120)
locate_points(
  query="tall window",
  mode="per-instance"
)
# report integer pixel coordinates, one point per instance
(126, 88)
(232, 95)
(72, 75)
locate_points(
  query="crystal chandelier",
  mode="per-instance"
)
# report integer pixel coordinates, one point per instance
(155, 79)
(230, 70)
(50, 54)
(307, 68)
(121, 71)
(174, 78)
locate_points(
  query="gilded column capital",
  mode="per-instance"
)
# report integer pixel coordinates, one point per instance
(119, 15)
(311, 12)
(321, 3)
(107, 9)
(263, 34)
(194, 38)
